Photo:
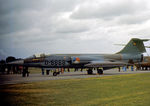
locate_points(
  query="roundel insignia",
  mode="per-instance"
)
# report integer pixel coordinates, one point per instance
(78, 59)
(134, 44)
(74, 59)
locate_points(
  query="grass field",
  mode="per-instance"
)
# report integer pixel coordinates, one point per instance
(34, 70)
(127, 90)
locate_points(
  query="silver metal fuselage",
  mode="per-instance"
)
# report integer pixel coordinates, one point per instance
(76, 60)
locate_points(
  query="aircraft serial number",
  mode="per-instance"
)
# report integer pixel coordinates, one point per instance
(55, 62)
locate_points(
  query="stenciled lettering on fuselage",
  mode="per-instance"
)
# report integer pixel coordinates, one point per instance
(55, 62)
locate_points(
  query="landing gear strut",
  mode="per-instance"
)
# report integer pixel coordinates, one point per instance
(25, 72)
(89, 71)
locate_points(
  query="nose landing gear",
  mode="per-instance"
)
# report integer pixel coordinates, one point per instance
(56, 73)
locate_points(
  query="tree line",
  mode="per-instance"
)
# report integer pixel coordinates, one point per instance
(6, 68)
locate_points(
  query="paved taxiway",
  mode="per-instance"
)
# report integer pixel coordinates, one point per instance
(16, 78)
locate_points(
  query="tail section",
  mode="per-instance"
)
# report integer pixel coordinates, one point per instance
(135, 46)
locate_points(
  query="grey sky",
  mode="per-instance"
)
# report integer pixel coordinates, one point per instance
(70, 26)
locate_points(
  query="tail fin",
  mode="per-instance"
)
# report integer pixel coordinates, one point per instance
(135, 46)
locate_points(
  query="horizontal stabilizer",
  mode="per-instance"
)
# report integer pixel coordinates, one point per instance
(125, 45)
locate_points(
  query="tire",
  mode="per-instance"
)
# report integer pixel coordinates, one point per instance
(54, 73)
(100, 71)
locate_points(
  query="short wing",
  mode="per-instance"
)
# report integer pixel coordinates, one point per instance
(16, 62)
(106, 64)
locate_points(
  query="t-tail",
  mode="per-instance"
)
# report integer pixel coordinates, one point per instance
(135, 46)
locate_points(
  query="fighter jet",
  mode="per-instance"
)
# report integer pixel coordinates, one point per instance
(130, 54)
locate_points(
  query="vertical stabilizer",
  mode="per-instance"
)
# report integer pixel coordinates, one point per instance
(135, 46)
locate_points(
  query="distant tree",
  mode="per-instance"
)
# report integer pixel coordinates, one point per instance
(2, 62)
(2, 66)
(10, 59)
(19, 59)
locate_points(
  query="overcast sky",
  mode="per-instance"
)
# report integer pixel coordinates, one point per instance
(70, 26)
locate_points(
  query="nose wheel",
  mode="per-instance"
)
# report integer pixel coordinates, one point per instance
(56, 73)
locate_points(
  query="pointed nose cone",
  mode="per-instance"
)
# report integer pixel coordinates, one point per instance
(17, 62)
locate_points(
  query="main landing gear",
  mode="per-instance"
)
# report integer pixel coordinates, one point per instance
(99, 71)
(90, 71)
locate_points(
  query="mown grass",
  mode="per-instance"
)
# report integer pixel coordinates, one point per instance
(130, 90)
(34, 70)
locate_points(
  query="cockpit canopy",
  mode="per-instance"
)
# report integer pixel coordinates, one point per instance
(37, 56)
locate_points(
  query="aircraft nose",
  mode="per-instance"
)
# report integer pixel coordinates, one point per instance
(17, 62)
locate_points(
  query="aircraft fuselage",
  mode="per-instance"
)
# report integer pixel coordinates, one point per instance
(77, 60)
